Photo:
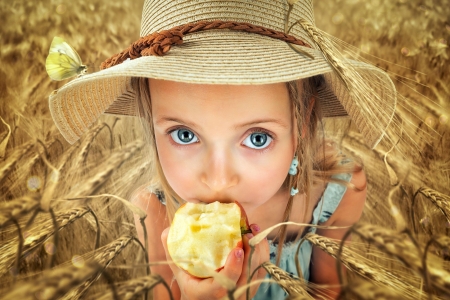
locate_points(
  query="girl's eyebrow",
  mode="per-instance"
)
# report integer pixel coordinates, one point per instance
(165, 119)
(278, 122)
(259, 121)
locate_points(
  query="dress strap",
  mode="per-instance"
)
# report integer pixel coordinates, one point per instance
(332, 196)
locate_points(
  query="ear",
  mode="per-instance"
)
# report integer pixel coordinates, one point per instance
(312, 102)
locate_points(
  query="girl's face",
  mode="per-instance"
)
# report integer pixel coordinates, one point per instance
(223, 142)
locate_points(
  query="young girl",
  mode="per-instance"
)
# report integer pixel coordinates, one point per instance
(232, 95)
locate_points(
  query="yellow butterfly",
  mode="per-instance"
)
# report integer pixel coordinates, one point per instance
(63, 61)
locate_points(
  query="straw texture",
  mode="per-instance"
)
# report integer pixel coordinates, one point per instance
(221, 56)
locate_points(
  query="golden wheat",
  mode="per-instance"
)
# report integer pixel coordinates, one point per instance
(406, 251)
(87, 142)
(12, 159)
(416, 54)
(134, 288)
(38, 235)
(365, 290)
(105, 170)
(292, 286)
(441, 200)
(52, 284)
(64, 159)
(18, 208)
(362, 266)
(103, 258)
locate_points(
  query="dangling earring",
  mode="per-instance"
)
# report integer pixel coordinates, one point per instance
(294, 165)
(293, 171)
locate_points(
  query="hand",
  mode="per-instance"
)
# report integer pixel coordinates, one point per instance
(260, 255)
(236, 269)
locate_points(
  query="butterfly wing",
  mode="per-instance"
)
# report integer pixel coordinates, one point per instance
(62, 61)
(60, 66)
(59, 45)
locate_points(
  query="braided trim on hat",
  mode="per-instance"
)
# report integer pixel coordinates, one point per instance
(159, 43)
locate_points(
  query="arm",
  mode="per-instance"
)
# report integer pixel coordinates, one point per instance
(323, 266)
(155, 223)
(191, 288)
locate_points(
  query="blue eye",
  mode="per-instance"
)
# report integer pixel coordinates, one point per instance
(183, 136)
(258, 140)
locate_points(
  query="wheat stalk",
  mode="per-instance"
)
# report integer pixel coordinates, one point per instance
(134, 288)
(104, 258)
(352, 260)
(53, 284)
(18, 208)
(443, 241)
(39, 234)
(404, 250)
(292, 286)
(440, 200)
(46, 229)
(367, 291)
(88, 139)
(66, 155)
(12, 160)
(106, 169)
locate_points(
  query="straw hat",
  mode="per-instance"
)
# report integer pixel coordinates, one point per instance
(229, 42)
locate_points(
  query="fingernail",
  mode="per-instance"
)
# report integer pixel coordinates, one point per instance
(239, 253)
(249, 235)
(256, 228)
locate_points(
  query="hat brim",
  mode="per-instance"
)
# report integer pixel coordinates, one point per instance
(213, 57)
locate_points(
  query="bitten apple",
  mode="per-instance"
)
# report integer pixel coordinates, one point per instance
(202, 235)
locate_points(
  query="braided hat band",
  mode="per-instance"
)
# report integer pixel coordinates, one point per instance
(229, 42)
(159, 43)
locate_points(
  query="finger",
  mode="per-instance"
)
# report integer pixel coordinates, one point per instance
(164, 236)
(264, 256)
(259, 254)
(233, 264)
(262, 251)
(248, 252)
(255, 229)
(263, 246)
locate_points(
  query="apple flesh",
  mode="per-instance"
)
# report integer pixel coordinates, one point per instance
(202, 236)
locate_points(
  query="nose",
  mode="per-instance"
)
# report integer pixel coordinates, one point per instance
(219, 171)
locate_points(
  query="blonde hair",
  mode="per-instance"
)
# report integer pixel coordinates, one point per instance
(318, 157)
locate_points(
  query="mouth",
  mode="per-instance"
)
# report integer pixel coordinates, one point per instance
(206, 201)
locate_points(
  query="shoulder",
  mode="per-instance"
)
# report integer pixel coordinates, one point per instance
(155, 223)
(350, 208)
(150, 203)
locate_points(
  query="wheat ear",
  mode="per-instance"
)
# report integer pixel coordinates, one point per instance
(18, 208)
(365, 290)
(440, 200)
(87, 141)
(39, 235)
(134, 288)
(359, 264)
(349, 259)
(406, 251)
(104, 258)
(292, 286)
(106, 169)
(8, 165)
(53, 284)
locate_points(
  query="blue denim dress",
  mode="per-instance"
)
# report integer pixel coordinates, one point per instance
(326, 206)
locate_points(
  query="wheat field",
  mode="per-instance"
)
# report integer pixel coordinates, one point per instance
(67, 230)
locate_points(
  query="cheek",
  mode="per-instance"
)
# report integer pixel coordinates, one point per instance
(261, 183)
(176, 168)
